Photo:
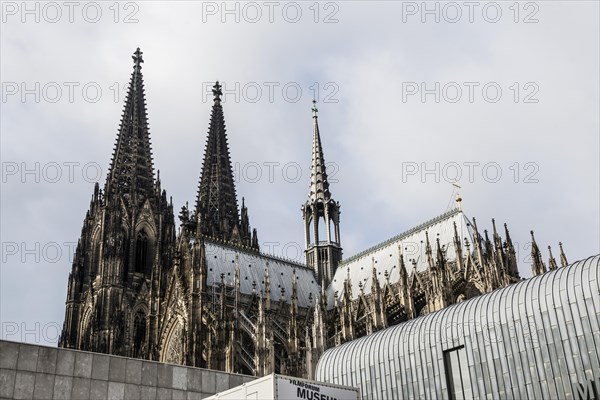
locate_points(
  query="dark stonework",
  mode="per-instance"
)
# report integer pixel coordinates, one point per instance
(140, 290)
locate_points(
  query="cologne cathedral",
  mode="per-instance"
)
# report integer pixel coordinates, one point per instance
(203, 294)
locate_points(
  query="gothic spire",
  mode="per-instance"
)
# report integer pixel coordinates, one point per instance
(403, 273)
(375, 281)
(538, 267)
(323, 254)
(216, 202)
(458, 252)
(551, 261)
(319, 187)
(563, 257)
(428, 251)
(440, 257)
(131, 169)
(511, 254)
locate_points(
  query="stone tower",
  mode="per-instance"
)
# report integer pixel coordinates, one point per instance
(216, 204)
(321, 214)
(119, 270)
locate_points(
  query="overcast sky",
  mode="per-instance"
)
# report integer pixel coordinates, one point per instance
(502, 98)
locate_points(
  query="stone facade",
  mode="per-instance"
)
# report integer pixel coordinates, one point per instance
(36, 372)
(207, 297)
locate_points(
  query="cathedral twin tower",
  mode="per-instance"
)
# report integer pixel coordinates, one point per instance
(138, 289)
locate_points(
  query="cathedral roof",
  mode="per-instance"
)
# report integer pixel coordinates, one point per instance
(385, 255)
(221, 259)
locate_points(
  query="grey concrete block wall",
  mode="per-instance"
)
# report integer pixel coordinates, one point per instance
(30, 371)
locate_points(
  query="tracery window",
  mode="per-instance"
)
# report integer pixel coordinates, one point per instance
(125, 257)
(139, 333)
(141, 251)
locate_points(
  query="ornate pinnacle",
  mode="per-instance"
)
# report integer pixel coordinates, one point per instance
(538, 266)
(137, 59)
(314, 109)
(217, 91)
(551, 261)
(563, 258)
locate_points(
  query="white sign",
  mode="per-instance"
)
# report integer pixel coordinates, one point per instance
(297, 389)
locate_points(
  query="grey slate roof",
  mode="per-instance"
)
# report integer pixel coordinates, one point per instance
(220, 258)
(386, 254)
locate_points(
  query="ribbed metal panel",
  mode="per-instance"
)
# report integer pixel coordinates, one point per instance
(536, 339)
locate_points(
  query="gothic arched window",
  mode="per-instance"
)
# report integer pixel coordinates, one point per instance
(139, 333)
(125, 257)
(93, 266)
(94, 263)
(141, 252)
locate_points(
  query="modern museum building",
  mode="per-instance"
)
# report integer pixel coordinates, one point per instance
(536, 339)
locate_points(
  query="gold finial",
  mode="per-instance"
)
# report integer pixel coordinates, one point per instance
(458, 198)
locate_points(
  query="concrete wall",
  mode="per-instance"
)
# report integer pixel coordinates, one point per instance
(29, 371)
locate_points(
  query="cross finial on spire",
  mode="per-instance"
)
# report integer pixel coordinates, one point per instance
(217, 91)
(314, 109)
(137, 58)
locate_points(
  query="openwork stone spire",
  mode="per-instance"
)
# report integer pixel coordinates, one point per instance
(131, 172)
(216, 203)
(319, 187)
(321, 214)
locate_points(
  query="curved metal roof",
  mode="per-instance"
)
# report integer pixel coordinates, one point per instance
(518, 340)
